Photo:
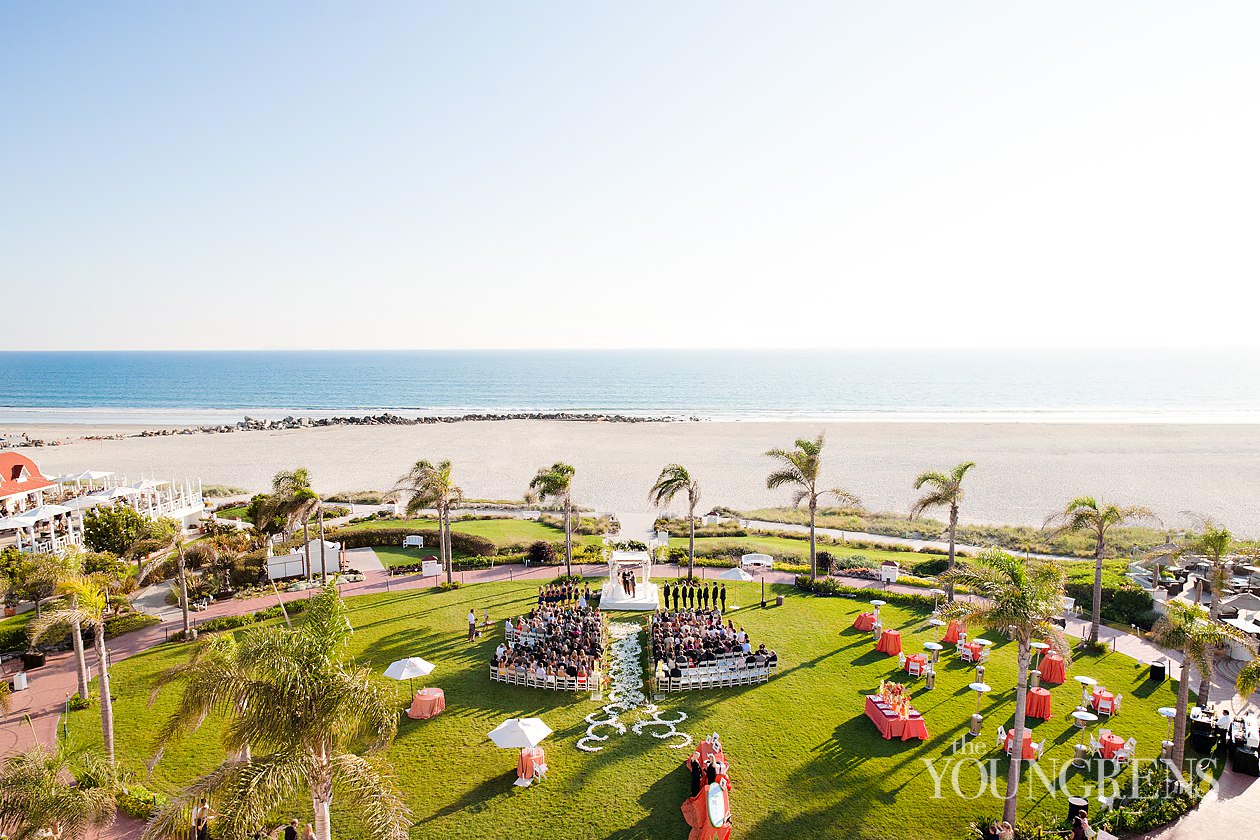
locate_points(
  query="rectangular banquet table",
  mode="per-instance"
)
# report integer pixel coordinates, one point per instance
(1039, 703)
(889, 642)
(864, 622)
(892, 725)
(1052, 669)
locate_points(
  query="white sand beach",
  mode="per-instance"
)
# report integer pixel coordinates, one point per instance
(1024, 470)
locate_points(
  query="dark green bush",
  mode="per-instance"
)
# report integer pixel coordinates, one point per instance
(127, 623)
(461, 543)
(542, 553)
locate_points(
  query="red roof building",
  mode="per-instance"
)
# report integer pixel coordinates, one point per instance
(21, 482)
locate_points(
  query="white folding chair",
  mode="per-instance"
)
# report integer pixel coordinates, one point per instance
(1116, 704)
(1001, 736)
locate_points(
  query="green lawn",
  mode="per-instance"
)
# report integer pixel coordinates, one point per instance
(502, 532)
(806, 763)
(786, 548)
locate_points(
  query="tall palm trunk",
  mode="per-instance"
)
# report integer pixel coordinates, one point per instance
(306, 538)
(1096, 615)
(183, 596)
(813, 554)
(321, 801)
(107, 703)
(1183, 705)
(568, 536)
(80, 658)
(446, 546)
(323, 560)
(953, 531)
(1017, 740)
(691, 540)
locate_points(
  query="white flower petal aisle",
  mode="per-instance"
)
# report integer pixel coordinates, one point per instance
(625, 673)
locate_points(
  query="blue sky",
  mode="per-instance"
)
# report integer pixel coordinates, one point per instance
(589, 175)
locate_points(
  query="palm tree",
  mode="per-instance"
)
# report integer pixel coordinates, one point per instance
(675, 479)
(38, 800)
(295, 501)
(1189, 629)
(430, 485)
(88, 608)
(1089, 515)
(1213, 542)
(1020, 594)
(945, 490)
(556, 482)
(1248, 681)
(799, 470)
(314, 719)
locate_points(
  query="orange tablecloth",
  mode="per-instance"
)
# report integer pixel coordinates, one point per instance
(891, 725)
(889, 642)
(427, 703)
(696, 813)
(1039, 703)
(976, 650)
(916, 657)
(951, 632)
(1029, 751)
(1098, 695)
(1052, 669)
(525, 764)
(865, 622)
(1110, 743)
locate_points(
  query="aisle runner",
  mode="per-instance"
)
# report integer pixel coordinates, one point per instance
(625, 672)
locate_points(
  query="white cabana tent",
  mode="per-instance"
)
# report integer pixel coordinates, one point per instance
(30, 520)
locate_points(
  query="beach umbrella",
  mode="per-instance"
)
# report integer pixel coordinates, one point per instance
(409, 668)
(736, 573)
(519, 733)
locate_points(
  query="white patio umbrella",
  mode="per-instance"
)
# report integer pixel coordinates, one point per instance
(736, 573)
(519, 733)
(409, 668)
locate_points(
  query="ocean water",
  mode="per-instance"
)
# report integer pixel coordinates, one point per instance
(1009, 386)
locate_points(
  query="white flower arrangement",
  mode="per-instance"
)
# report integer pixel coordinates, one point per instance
(626, 675)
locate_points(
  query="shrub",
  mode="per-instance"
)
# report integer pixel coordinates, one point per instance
(127, 623)
(77, 703)
(930, 568)
(448, 587)
(138, 801)
(542, 553)
(461, 543)
(1122, 604)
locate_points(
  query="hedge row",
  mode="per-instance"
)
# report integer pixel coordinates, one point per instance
(233, 622)
(367, 537)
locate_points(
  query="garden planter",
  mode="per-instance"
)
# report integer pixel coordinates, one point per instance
(33, 659)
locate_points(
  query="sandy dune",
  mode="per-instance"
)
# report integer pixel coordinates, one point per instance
(1024, 470)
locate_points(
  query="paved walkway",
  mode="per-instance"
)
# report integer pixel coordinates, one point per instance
(36, 711)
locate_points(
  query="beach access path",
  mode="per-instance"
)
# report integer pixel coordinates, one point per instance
(35, 713)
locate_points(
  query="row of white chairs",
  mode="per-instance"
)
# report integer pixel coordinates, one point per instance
(714, 679)
(511, 676)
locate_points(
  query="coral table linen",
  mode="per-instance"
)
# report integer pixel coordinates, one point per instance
(1040, 704)
(865, 622)
(891, 725)
(427, 703)
(951, 632)
(919, 658)
(1110, 743)
(1052, 669)
(525, 764)
(1029, 751)
(889, 642)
